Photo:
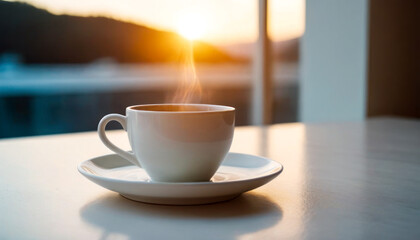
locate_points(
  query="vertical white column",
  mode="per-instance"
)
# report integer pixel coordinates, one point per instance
(333, 61)
(262, 104)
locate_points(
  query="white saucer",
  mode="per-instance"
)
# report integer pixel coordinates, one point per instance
(237, 174)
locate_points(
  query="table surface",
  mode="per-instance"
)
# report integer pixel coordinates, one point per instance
(340, 181)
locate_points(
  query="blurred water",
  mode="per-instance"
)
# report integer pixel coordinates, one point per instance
(48, 99)
(42, 79)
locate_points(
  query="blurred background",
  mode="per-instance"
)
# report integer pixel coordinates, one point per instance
(65, 64)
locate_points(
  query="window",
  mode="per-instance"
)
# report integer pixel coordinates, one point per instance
(65, 64)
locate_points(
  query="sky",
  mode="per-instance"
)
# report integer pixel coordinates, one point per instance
(220, 22)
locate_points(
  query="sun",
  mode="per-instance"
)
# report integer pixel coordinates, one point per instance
(191, 25)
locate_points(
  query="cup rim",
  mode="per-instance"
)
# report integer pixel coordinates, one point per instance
(215, 108)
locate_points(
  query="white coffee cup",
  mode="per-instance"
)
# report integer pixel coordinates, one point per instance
(175, 142)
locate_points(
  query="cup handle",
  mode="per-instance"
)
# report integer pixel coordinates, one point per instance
(101, 131)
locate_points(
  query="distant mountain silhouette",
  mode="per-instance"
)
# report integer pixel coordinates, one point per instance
(284, 51)
(41, 37)
(287, 51)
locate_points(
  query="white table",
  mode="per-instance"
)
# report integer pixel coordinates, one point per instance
(341, 181)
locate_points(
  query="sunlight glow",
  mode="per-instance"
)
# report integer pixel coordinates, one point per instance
(225, 21)
(191, 25)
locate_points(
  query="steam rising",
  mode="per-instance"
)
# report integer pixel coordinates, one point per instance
(189, 88)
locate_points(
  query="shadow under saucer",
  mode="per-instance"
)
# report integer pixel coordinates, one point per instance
(226, 220)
